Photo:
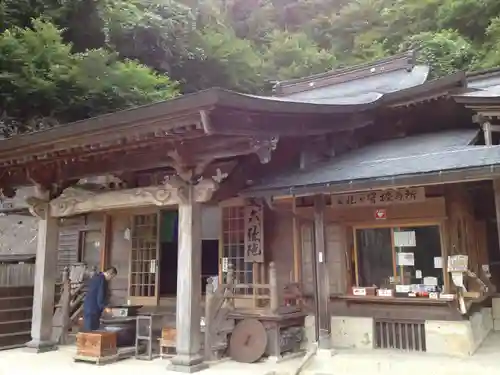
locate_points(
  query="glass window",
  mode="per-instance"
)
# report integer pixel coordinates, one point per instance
(407, 259)
(375, 256)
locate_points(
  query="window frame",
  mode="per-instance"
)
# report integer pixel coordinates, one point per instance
(392, 225)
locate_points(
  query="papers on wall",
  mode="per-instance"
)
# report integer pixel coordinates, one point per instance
(438, 262)
(418, 274)
(225, 264)
(430, 280)
(405, 239)
(405, 259)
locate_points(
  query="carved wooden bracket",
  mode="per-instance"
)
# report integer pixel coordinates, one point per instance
(75, 200)
(264, 147)
(38, 207)
(189, 191)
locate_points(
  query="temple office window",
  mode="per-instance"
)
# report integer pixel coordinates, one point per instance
(404, 260)
(233, 246)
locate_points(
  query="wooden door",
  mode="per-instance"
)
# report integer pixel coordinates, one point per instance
(144, 260)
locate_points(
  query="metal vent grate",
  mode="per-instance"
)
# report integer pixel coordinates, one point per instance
(403, 335)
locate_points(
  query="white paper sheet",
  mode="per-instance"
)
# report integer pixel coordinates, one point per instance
(438, 262)
(405, 239)
(418, 274)
(430, 280)
(406, 259)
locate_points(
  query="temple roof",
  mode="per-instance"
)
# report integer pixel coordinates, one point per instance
(387, 161)
(358, 84)
(483, 87)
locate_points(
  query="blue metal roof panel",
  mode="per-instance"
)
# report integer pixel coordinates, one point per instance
(405, 156)
(357, 90)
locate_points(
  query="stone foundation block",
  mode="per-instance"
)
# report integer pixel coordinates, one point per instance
(352, 332)
(309, 325)
(496, 324)
(495, 303)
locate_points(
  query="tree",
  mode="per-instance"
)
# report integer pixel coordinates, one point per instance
(85, 57)
(446, 52)
(43, 83)
(294, 55)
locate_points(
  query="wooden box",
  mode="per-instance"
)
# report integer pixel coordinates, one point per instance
(363, 291)
(96, 344)
(169, 334)
(385, 292)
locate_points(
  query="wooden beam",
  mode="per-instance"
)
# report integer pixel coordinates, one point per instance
(297, 258)
(488, 139)
(320, 261)
(496, 192)
(191, 153)
(106, 235)
(233, 122)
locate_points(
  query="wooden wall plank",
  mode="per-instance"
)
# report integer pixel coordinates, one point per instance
(335, 255)
(307, 237)
(120, 258)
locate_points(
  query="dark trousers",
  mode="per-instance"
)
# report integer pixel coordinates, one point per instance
(91, 322)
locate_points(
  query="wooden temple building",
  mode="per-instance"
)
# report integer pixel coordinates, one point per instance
(373, 190)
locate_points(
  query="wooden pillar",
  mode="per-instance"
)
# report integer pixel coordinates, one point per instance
(188, 358)
(322, 283)
(106, 235)
(297, 258)
(488, 139)
(45, 281)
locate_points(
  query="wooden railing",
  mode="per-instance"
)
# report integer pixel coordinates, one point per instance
(220, 302)
(69, 307)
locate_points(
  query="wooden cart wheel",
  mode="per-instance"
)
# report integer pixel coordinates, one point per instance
(248, 341)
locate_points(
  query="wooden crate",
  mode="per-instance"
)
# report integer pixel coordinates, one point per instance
(96, 344)
(169, 334)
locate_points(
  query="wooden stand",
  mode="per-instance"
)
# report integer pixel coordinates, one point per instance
(283, 330)
(167, 342)
(272, 330)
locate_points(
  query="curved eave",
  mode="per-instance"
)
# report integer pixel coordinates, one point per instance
(404, 60)
(175, 109)
(477, 100)
(479, 173)
(429, 90)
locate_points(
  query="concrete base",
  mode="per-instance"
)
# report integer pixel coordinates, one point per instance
(460, 338)
(286, 357)
(352, 332)
(187, 364)
(308, 332)
(324, 354)
(186, 369)
(35, 346)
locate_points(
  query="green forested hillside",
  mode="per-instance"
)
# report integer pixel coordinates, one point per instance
(63, 60)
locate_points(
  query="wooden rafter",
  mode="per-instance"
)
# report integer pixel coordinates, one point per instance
(182, 155)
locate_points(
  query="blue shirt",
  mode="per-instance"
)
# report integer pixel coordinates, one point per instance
(95, 298)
